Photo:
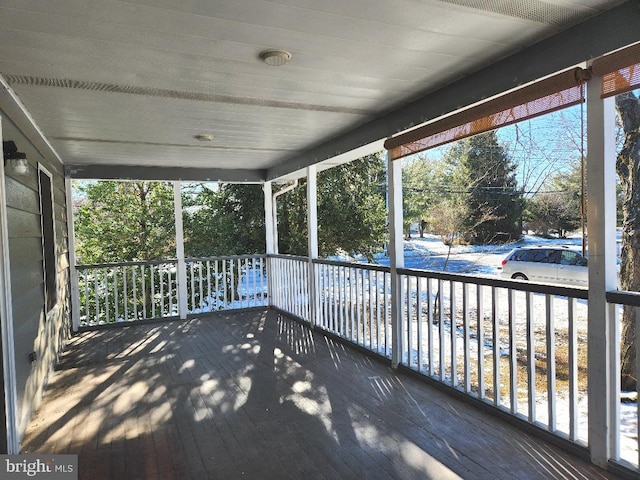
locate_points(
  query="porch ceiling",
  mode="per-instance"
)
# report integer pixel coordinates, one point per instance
(121, 88)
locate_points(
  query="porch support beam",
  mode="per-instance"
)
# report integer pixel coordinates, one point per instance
(166, 174)
(312, 229)
(71, 248)
(269, 227)
(182, 265)
(396, 257)
(602, 357)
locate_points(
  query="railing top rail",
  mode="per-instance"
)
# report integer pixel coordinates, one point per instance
(288, 257)
(225, 257)
(364, 266)
(165, 261)
(125, 264)
(495, 282)
(624, 298)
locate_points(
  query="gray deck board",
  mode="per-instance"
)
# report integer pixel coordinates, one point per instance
(258, 395)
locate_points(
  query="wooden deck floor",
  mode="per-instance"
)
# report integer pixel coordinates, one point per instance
(259, 396)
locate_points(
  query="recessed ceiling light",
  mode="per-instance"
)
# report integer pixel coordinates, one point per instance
(204, 137)
(275, 58)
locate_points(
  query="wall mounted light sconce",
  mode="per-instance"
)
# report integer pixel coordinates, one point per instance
(17, 161)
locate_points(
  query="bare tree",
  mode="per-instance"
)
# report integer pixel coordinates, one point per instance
(628, 168)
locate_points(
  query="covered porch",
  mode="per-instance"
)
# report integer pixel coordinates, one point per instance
(276, 365)
(257, 394)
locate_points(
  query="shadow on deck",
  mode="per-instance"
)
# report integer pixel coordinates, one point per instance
(258, 396)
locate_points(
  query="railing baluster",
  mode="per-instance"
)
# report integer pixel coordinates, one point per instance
(531, 358)
(419, 320)
(342, 300)
(495, 327)
(254, 292)
(172, 271)
(480, 333)
(217, 283)
(441, 339)
(135, 292)
(152, 284)
(409, 320)
(466, 336)
(430, 322)
(193, 287)
(573, 369)
(358, 303)
(86, 297)
(378, 313)
(224, 282)
(106, 296)
(209, 309)
(387, 321)
(326, 321)
(513, 353)
(454, 333)
(200, 269)
(370, 317)
(263, 282)
(162, 288)
(551, 363)
(351, 304)
(144, 293)
(124, 296)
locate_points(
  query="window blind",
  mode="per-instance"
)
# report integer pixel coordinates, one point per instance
(620, 71)
(550, 94)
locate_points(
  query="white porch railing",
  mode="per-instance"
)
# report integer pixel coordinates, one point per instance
(354, 303)
(519, 347)
(289, 276)
(125, 292)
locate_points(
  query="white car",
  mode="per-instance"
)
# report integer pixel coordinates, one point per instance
(546, 264)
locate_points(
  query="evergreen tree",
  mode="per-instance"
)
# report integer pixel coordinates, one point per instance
(351, 211)
(486, 175)
(420, 185)
(227, 220)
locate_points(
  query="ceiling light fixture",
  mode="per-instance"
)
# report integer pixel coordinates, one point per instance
(204, 137)
(275, 58)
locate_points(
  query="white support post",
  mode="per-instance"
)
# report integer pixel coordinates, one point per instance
(312, 228)
(182, 265)
(6, 326)
(396, 257)
(71, 247)
(268, 218)
(603, 363)
(269, 228)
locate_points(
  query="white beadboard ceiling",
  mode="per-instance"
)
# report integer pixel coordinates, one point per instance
(124, 84)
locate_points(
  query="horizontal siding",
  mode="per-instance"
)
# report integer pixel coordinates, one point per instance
(23, 224)
(24, 278)
(25, 251)
(21, 198)
(32, 330)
